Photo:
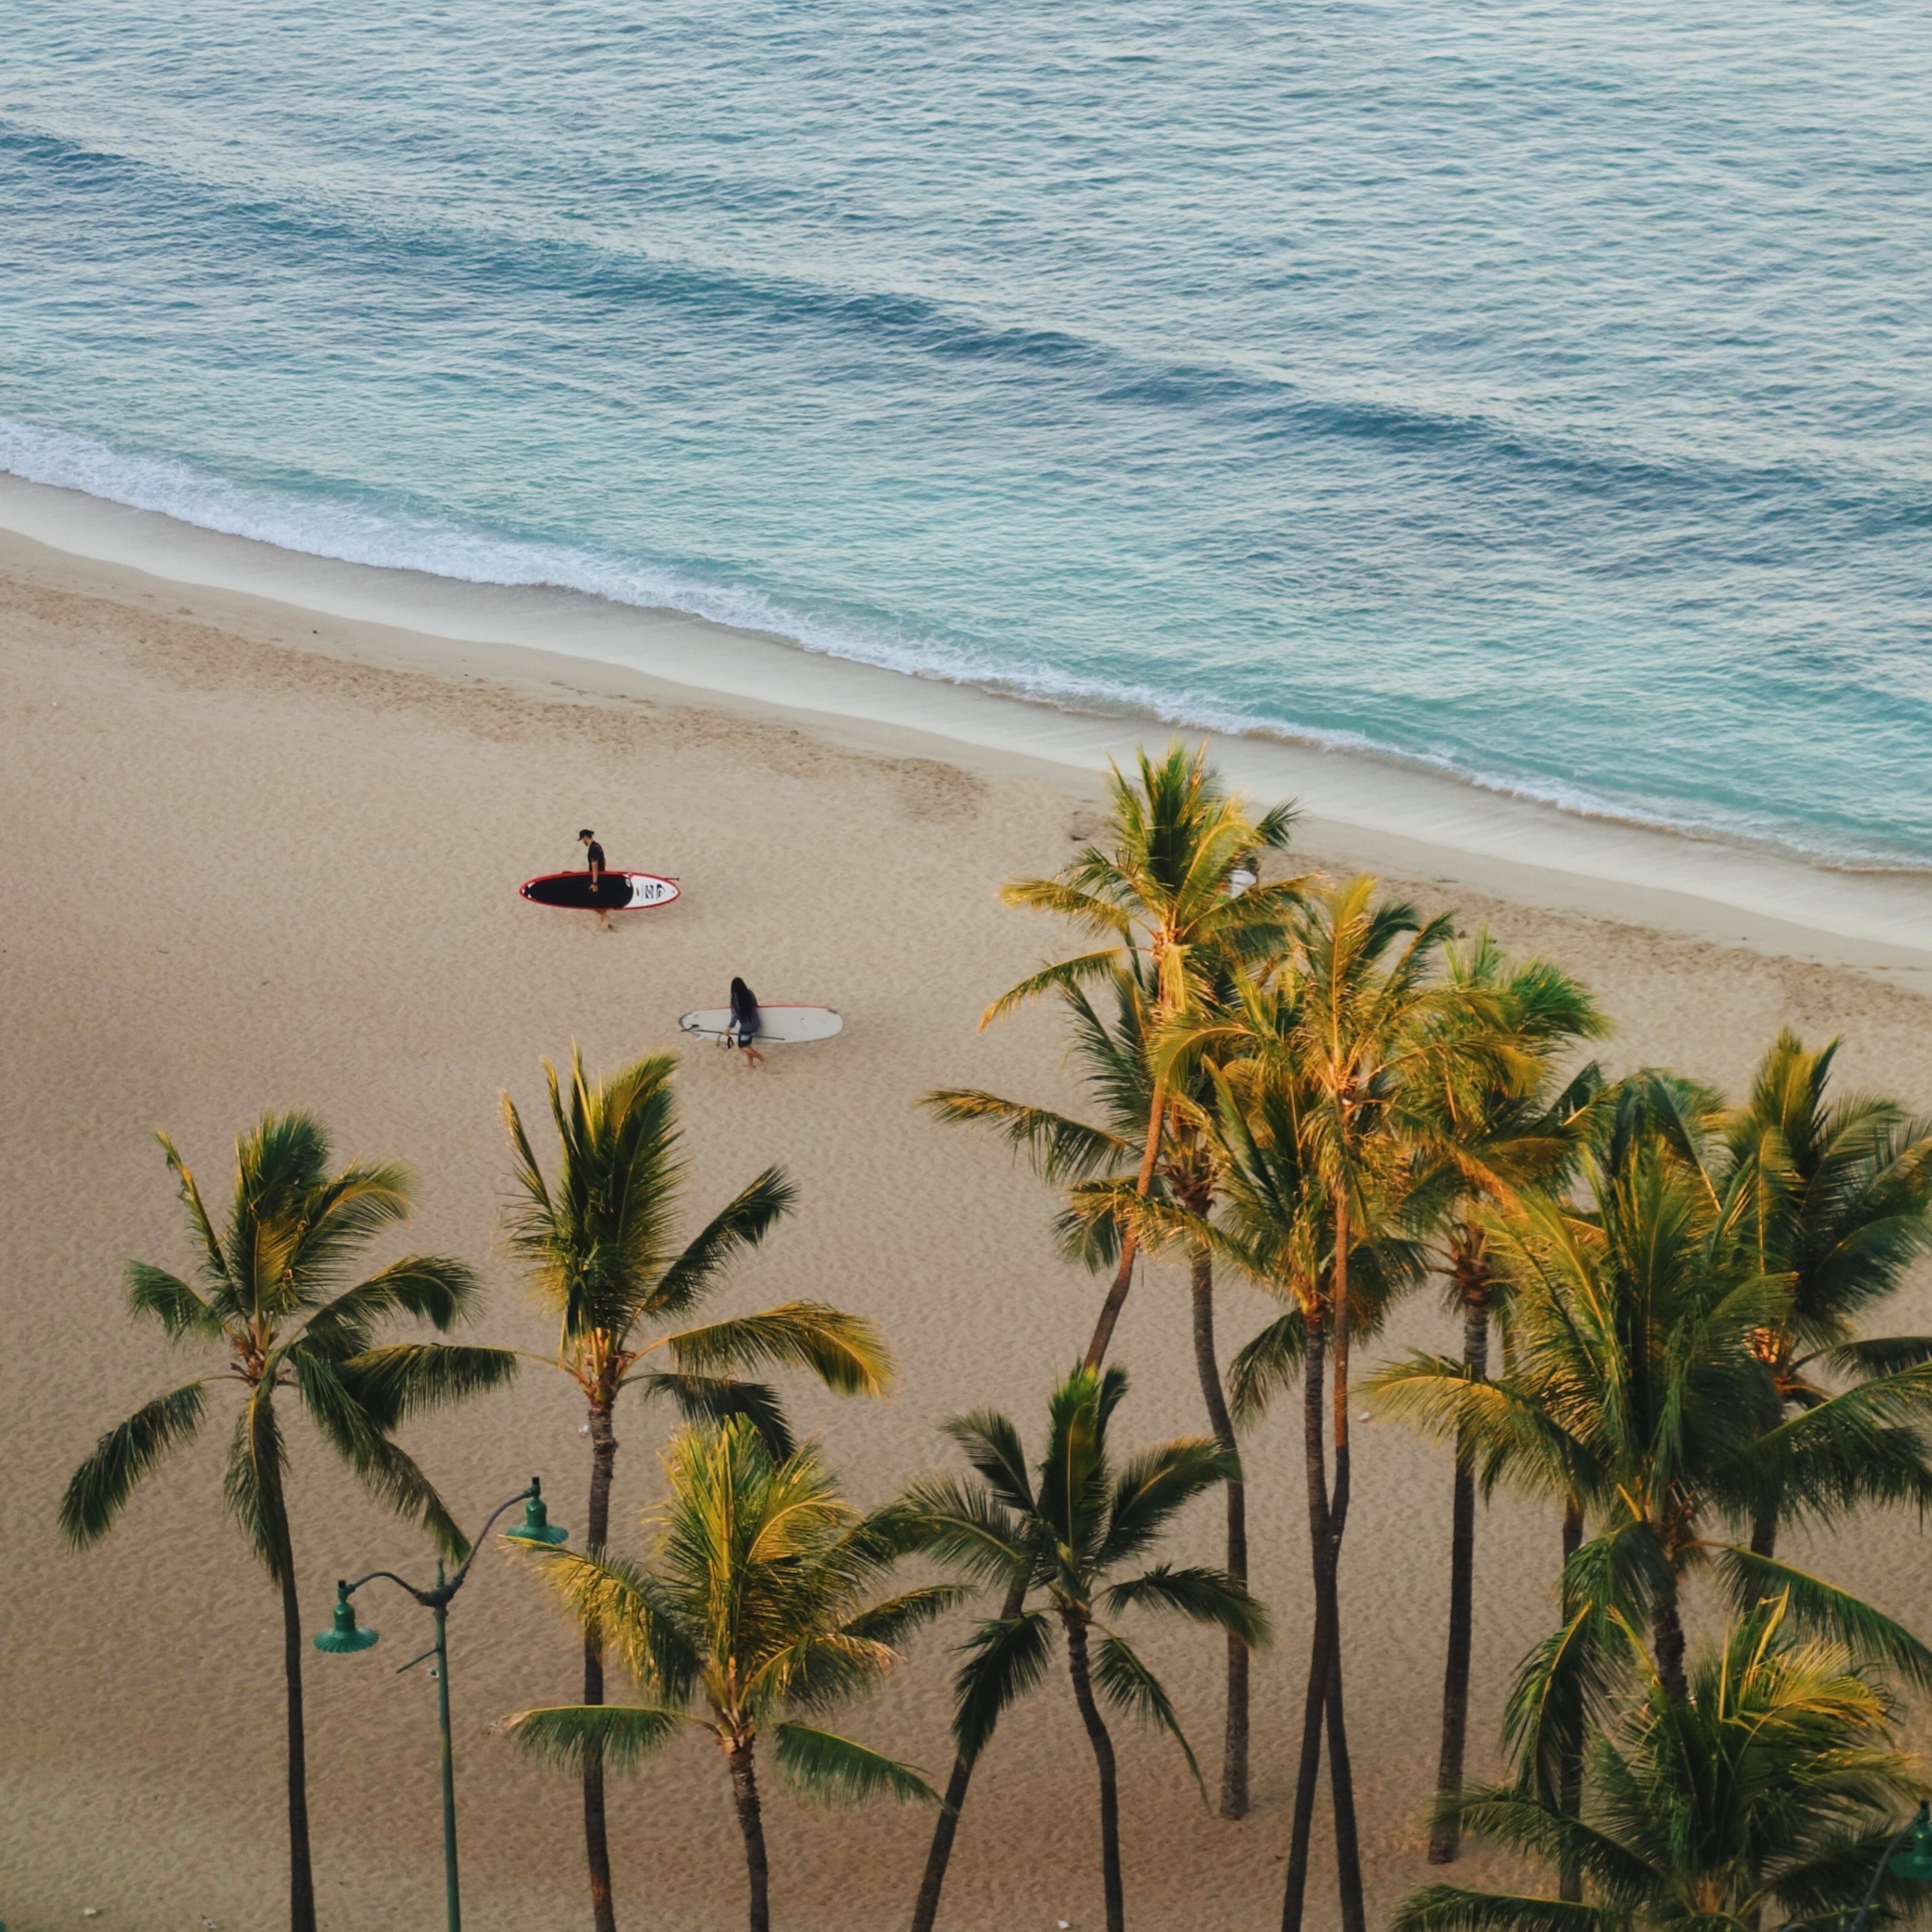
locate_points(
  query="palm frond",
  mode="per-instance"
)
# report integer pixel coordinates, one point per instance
(387, 1471)
(992, 1446)
(99, 1489)
(835, 1770)
(1062, 975)
(621, 1736)
(430, 1287)
(1128, 1685)
(180, 1311)
(894, 1617)
(1005, 1657)
(406, 1379)
(1750, 1579)
(715, 1398)
(1156, 1483)
(1453, 1908)
(845, 1351)
(739, 1227)
(1263, 1367)
(1060, 1149)
(1201, 1594)
(966, 1529)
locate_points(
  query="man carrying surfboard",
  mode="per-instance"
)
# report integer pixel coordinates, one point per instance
(594, 853)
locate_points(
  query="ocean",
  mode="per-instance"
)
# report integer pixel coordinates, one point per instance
(1540, 393)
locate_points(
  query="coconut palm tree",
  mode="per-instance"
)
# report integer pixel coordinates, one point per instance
(1773, 1789)
(1065, 1532)
(1097, 1163)
(1160, 901)
(1334, 1067)
(1510, 1136)
(273, 1299)
(1635, 1380)
(756, 1603)
(1837, 1196)
(600, 1247)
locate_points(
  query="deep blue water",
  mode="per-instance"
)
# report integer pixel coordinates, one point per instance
(1542, 390)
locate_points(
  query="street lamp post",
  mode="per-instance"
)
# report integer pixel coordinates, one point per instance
(344, 1637)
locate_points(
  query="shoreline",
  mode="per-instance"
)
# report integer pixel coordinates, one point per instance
(1358, 810)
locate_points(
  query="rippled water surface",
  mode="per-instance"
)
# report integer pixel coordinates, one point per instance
(1546, 391)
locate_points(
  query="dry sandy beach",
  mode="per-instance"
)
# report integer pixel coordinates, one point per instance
(263, 854)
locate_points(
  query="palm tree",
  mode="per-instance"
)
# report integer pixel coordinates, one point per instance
(1509, 1136)
(1635, 1381)
(1775, 1787)
(1160, 903)
(600, 1246)
(1097, 1163)
(1838, 1199)
(1066, 1533)
(273, 1301)
(756, 1603)
(1333, 1069)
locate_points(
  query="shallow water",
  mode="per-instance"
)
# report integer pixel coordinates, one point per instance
(1539, 391)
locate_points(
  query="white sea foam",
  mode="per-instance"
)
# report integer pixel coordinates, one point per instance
(317, 525)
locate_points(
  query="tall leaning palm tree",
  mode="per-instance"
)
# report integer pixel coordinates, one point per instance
(1065, 1531)
(1159, 900)
(755, 1606)
(274, 1300)
(1342, 1055)
(1506, 1136)
(1096, 1164)
(1163, 898)
(600, 1247)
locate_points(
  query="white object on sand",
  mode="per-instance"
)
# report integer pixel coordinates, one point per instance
(777, 1026)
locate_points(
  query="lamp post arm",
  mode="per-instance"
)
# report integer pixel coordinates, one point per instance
(523, 1495)
(434, 1599)
(425, 1597)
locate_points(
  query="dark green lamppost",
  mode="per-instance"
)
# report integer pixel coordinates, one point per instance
(345, 1635)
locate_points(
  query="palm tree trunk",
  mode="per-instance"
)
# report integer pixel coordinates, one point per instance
(751, 1822)
(1314, 1701)
(1341, 1772)
(597, 1533)
(946, 1826)
(1445, 1836)
(1570, 1773)
(1103, 1759)
(1123, 1275)
(1764, 1533)
(301, 1876)
(1234, 1739)
(1666, 1638)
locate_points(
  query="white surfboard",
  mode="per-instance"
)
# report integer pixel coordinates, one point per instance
(777, 1026)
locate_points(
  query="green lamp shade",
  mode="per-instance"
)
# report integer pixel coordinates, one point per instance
(344, 1635)
(536, 1526)
(1915, 1861)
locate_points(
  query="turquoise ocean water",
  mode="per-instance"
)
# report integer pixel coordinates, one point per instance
(1540, 392)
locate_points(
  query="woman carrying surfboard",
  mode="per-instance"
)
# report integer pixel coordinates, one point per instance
(744, 1027)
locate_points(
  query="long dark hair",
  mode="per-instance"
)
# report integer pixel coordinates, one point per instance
(744, 1001)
